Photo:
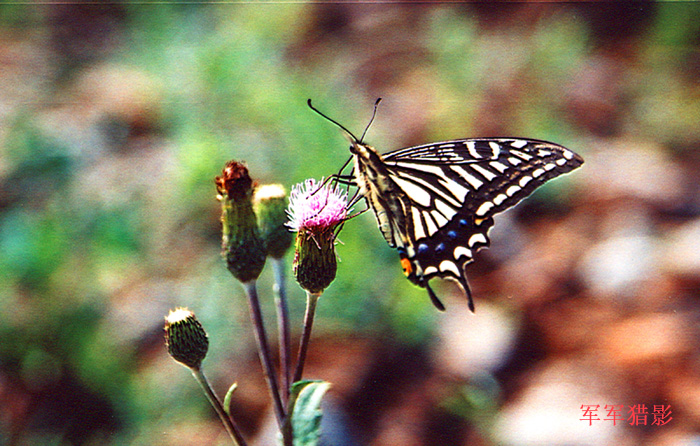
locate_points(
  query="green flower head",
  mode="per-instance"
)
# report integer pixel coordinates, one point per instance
(270, 204)
(241, 244)
(185, 338)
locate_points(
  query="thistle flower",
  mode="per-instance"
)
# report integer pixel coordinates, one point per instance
(316, 212)
(241, 245)
(314, 208)
(269, 203)
(185, 338)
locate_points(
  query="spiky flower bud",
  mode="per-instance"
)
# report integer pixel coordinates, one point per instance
(241, 245)
(185, 338)
(316, 213)
(270, 204)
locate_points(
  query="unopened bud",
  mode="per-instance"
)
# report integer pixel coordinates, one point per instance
(241, 245)
(185, 338)
(270, 204)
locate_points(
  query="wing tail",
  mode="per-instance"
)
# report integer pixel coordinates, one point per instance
(434, 299)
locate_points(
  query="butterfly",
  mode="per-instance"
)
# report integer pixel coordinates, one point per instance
(435, 202)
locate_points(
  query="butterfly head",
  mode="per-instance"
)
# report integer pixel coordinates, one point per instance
(362, 150)
(356, 147)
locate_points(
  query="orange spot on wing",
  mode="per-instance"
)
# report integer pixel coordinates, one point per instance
(406, 265)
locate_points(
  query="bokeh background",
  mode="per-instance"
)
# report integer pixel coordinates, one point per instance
(115, 118)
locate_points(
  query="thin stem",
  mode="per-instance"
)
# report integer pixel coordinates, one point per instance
(264, 349)
(283, 328)
(311, 300)
(230, 426)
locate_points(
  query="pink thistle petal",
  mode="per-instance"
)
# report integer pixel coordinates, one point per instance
(316, 207)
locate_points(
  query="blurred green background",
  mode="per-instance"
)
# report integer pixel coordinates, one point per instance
(115, 118)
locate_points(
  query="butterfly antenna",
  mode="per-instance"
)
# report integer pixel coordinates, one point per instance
(374, 113)
(342, 127)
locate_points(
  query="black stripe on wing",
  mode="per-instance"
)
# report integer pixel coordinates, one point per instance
(496, 172)
(456, 151)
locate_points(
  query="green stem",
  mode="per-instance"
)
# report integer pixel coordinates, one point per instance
(230, 426)
(311, 300)
(264, 349)
(283, 328)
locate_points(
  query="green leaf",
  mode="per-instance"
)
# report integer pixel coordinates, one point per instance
(304, 422)
(227, 398)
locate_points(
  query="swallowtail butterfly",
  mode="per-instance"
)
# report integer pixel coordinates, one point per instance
(435, 202)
